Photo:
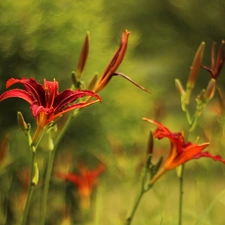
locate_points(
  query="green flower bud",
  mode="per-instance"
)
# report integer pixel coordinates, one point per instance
(21, 122)
(210, 90)
(35, 178)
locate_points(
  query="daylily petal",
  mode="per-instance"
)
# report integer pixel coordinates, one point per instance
(133, 82)
(73, 178)
(208, 155)
(114, 63)
(85, 179)
(161, 131)
(12, 81)
(51, 90)
(69, 108)
(187, 154)
(31, 86)
(36, 109)
(96, 172)
(17, 93)
(68, 96)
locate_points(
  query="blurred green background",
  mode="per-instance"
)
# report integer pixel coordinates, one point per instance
(43, 39)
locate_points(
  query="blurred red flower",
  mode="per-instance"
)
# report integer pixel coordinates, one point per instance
(85, 181)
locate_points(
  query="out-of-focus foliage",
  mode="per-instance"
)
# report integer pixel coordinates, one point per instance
(170, 31)
(44, 38)
(166, 25)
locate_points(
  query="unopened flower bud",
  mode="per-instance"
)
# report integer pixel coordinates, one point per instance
(205, 96)
(210, 90)
(93, 82)
(158, 164)
(183, 95)
(200, 102)
(195, 67)
(75, 80)
(35, 178)
(179, 87)
(200, 97)
(150, 143)
(83, 56)
(21, 122)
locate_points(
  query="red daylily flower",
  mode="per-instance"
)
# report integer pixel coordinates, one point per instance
(180, 151)
(46, 103)
(84, 181)
(115, 62)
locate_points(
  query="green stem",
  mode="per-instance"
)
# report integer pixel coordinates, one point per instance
(194, 122)
(46, 186)
(188, 116)
(28, 201)
(63, 129)
(144, 189)
(181, 192)
(134, 208)
(50, 166)
(31, 185)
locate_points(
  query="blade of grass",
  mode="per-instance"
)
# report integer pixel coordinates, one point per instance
(213, 202)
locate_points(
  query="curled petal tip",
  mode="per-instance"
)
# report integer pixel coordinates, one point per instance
(148, 120)
(129, 79)
(127, 32)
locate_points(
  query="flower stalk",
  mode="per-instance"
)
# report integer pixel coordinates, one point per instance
(33, 174)
(144, 188)
(181, 192)
(46, 186)
(148, 172)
